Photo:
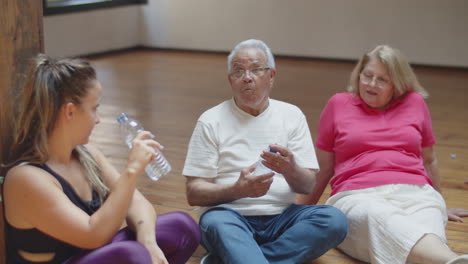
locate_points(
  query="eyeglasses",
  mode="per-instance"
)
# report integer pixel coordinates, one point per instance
(257, 72)
(367, 78)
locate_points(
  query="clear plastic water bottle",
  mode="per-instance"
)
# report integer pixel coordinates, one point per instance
(262, 169)
(129, 128)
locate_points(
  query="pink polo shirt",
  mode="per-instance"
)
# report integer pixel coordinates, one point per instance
(373, 147)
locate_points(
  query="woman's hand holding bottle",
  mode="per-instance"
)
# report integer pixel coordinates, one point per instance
(142, 152)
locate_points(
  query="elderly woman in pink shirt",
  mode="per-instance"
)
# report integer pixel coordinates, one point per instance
(375, 147)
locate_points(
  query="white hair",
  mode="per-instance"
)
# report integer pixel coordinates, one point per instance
(252, 43)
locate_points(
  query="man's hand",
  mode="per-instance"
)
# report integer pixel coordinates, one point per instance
(301, 180)
(253, 186)
(282, 161)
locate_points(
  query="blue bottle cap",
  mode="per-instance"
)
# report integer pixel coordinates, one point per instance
(122, 118)
(272, 150)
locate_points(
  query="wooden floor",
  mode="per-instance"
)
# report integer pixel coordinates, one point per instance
(168, 90)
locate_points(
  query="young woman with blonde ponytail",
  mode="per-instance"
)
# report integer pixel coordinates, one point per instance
(64, 201)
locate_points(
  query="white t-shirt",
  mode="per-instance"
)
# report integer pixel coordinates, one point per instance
(226, 140)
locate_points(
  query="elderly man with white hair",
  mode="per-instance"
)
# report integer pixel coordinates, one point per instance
(252, 217)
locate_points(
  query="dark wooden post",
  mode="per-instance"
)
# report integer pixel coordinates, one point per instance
(21, 38)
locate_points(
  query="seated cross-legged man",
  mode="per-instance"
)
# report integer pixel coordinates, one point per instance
(251, 217)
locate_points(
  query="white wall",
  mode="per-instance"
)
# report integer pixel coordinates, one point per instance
(428, 31)
(92, 32)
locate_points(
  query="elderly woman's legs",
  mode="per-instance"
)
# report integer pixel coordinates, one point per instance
(431, 250)
(386, 222)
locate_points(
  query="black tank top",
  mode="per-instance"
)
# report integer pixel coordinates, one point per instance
(35, 241)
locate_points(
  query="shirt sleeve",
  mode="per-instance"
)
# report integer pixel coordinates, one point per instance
(427, 133)
(326, 128)
(202, 155)
(301, 145)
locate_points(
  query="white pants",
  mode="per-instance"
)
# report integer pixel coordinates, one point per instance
(385, 222)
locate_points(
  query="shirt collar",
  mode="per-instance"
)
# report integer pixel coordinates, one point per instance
(237, 109)
(356, 100)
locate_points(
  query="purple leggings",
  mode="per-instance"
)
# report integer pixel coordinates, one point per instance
(177, 234)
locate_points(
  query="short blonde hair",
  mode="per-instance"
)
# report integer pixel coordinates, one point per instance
(401, 74)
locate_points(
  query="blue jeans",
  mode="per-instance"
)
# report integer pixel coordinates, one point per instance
(299, 234)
